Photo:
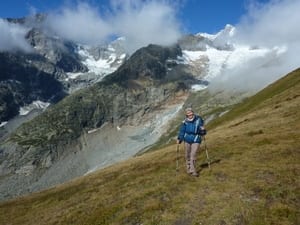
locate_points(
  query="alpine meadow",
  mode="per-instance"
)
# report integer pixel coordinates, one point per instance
(254, 152)
(149, 112)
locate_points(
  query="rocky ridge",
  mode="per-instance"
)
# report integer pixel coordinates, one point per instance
(115, 108)
(57, 140)
(52, 69)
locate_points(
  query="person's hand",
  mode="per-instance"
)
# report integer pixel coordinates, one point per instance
(203, 131)
(178, 141)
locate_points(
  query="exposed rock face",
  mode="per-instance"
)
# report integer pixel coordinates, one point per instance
(192, 42)
(21, 83)
(44, 73)
(58, 52)
(26, 77)
(32, 157)
(115, 117)
(150, 62)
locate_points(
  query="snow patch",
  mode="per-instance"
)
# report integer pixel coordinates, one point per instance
(198, 87)
(72, 75)
(100, 66)
(3, 124)
(227, 32)
(34, 105)
(219, 60)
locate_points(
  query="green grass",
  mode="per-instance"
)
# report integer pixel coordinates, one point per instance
(254, 102)
(254, 177)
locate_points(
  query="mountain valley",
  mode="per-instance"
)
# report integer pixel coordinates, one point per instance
(69, 109)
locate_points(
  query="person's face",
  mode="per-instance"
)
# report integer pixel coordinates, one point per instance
(189, 114)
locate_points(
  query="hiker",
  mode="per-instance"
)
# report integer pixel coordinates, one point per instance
(191, 130)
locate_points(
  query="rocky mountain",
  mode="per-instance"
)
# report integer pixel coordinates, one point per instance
(77, 66)
(56, 146)
(22, 83)
(106, 105)
(52, 69)
(251, 176)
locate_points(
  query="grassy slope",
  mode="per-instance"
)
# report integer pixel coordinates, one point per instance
(254, 176)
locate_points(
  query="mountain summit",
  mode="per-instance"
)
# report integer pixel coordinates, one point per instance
(104, 105)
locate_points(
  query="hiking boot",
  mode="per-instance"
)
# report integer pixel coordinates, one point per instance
(188, 169)
(195, 174)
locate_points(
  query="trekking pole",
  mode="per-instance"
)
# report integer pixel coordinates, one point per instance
(207, 157)
(177, 158)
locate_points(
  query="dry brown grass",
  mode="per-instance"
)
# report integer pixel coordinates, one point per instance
(254, 179)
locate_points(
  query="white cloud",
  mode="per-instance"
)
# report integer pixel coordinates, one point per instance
(274, 26)
(12, 37)
(81, 24)
(141, 22)
(276, 22)
(152, 22)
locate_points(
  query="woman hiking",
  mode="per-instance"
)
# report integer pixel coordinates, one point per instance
(191, 130)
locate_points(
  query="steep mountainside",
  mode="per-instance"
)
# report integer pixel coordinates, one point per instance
(51, 68)
(77, 66)
(58, 139)
(125, 113)
(253, 176)
(21, 83)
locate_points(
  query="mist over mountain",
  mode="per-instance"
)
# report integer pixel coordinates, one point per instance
(101, 88)
(270, 26)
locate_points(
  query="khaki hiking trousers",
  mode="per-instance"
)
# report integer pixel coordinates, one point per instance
(191, 156)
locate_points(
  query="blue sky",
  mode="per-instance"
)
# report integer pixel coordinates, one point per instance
(263, 24)
(258, 22)
(194, 16)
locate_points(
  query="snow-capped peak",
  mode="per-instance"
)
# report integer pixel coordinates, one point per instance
(99, 60)
(225, 55)
(207, 36)
(228, 31)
